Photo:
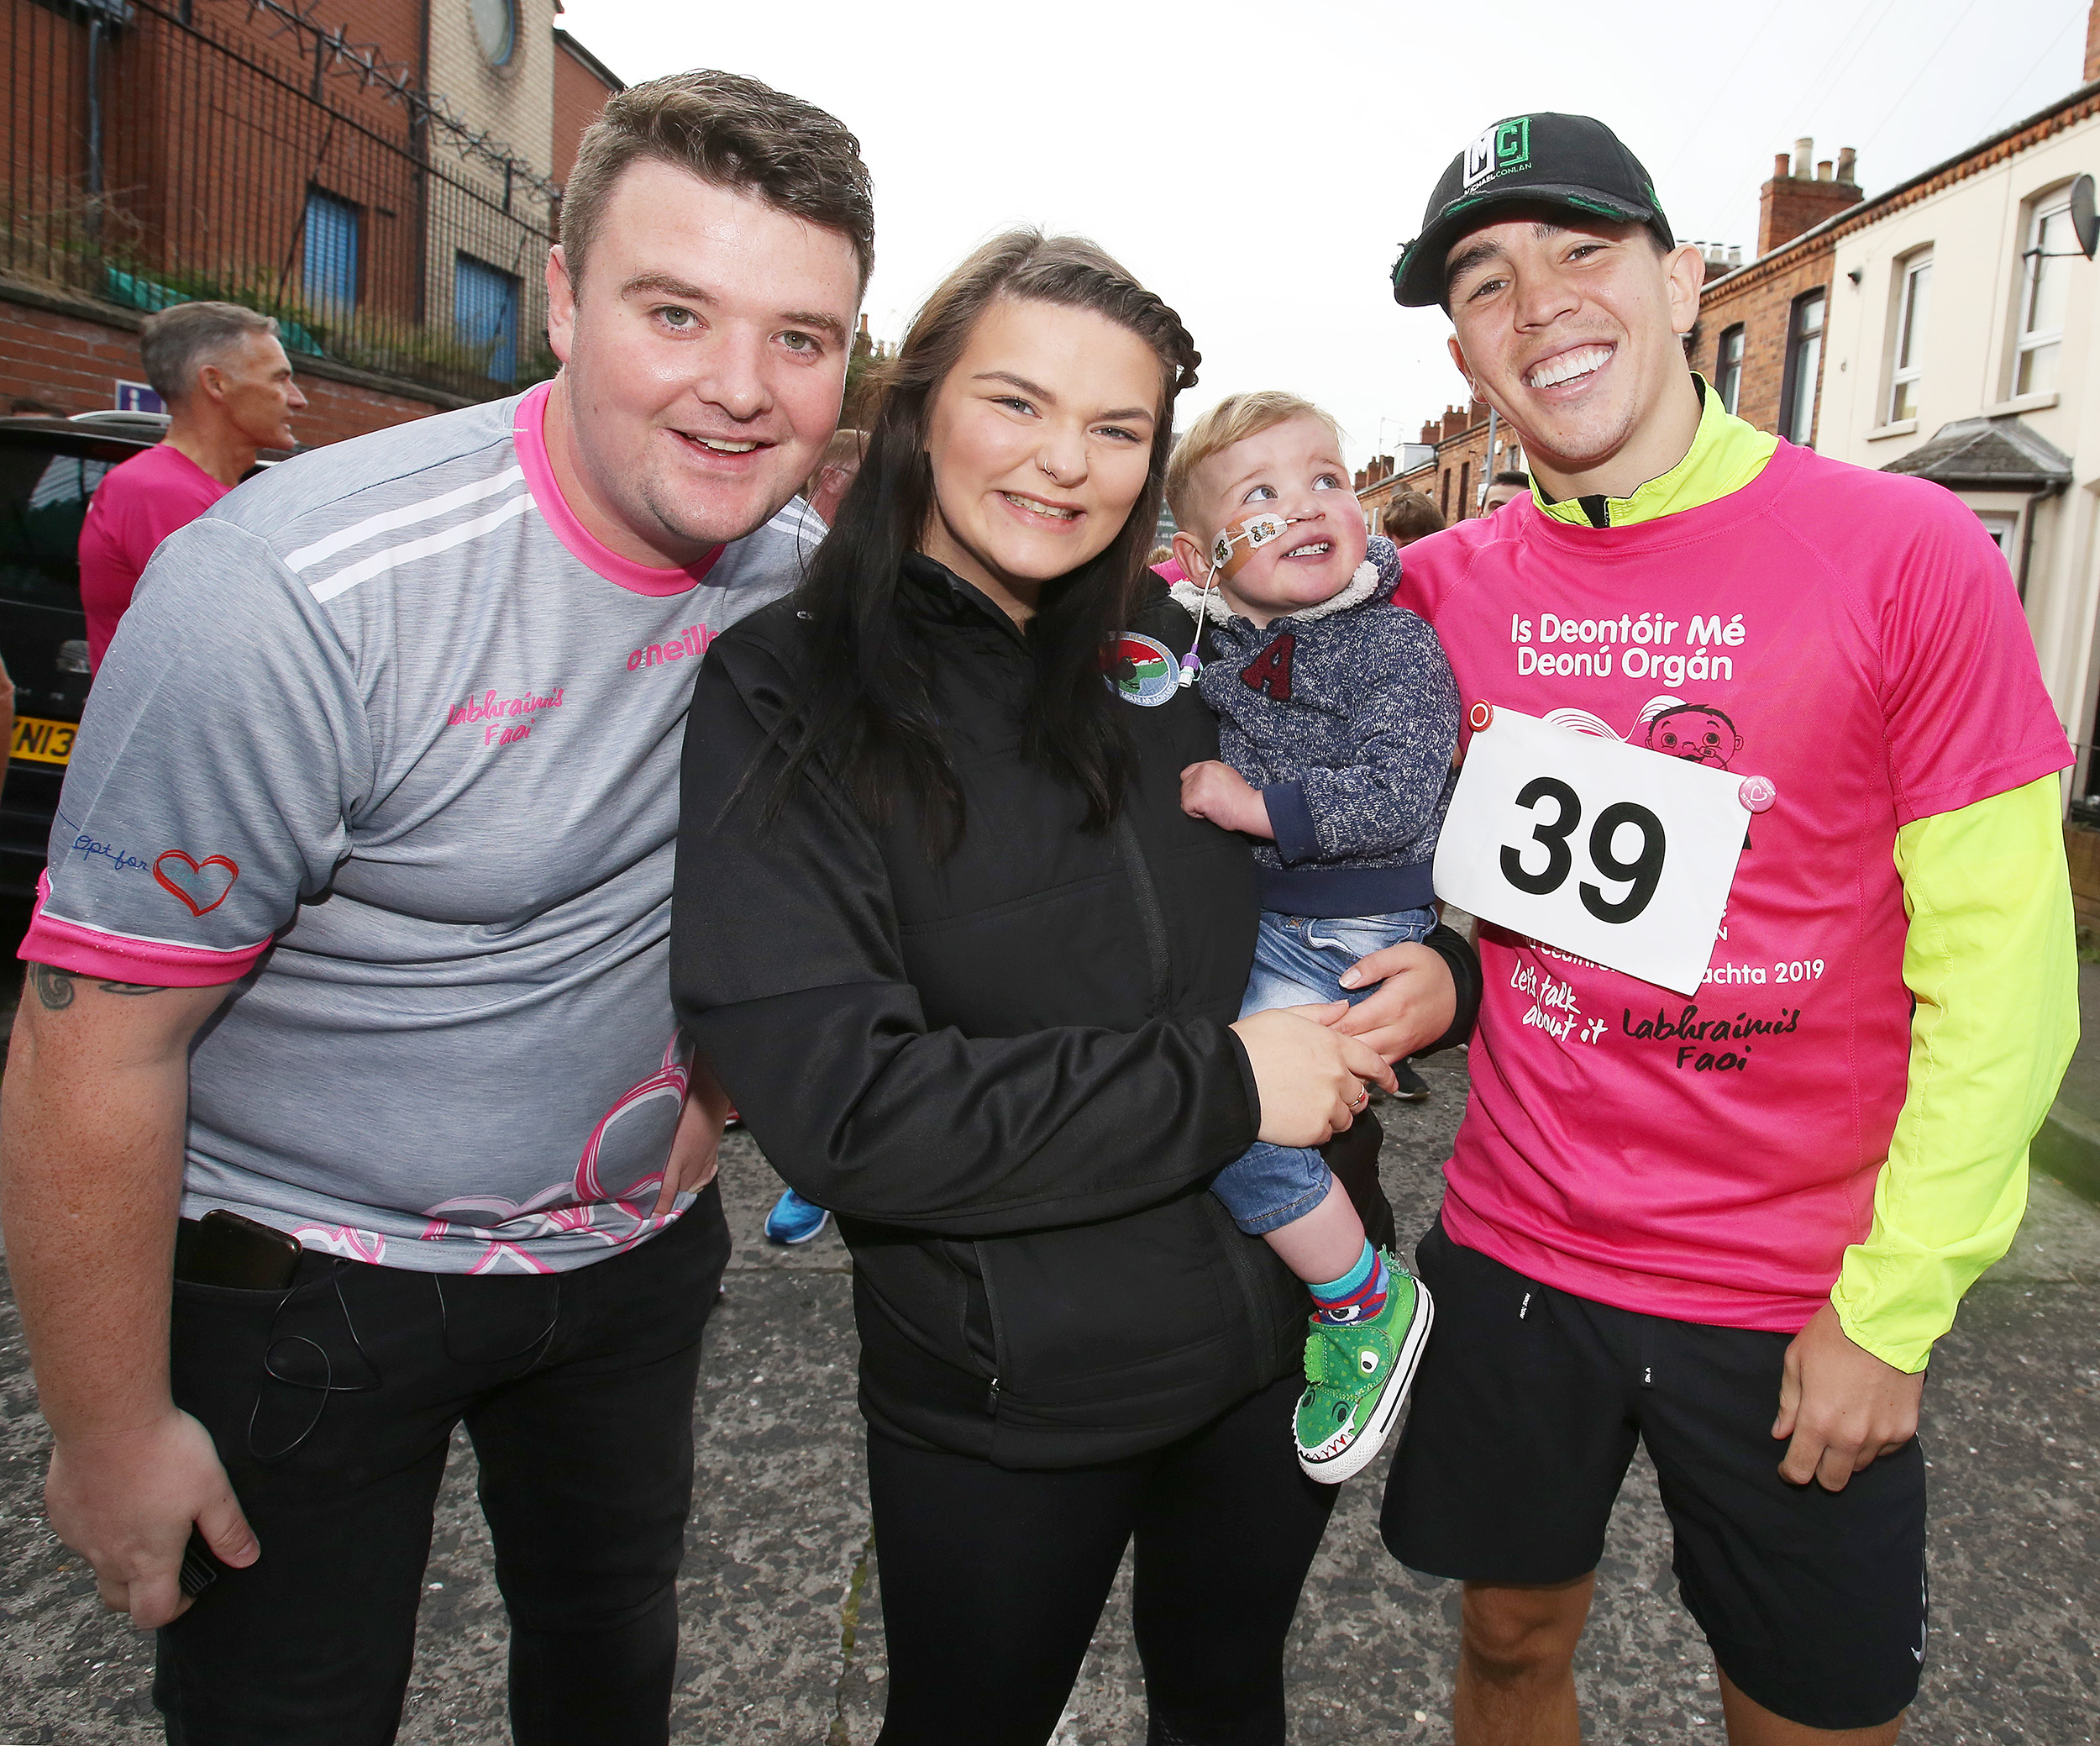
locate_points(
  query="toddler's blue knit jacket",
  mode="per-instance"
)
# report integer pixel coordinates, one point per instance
(1345, 716)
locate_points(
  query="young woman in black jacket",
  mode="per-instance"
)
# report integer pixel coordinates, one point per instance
(970, 974)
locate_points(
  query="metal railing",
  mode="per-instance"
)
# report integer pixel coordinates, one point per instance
(158, 150)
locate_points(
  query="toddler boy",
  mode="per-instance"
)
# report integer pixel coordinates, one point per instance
(1337, 718)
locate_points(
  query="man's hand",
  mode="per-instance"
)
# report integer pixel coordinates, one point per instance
(1220, 793)
(1413, 1007)
(125, 1502)
(697, 1146)
(1841, 1407)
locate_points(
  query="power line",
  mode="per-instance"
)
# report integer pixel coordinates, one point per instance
(1952, 30)
(1713, 102)
(1991, 119)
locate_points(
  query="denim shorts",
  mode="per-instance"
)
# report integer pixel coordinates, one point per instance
(1297, 962)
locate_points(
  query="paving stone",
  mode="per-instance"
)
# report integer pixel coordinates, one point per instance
(781, 1594)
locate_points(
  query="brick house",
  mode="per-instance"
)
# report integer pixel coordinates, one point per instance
(1451, 464)
(1759, 339)
(294, 157)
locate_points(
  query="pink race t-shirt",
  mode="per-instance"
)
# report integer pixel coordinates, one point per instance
(1855, 638)
(133, 509)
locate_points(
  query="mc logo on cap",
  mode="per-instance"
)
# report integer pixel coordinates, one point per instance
(1505, 146)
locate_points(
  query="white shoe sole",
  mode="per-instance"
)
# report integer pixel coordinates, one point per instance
(1360, 1452)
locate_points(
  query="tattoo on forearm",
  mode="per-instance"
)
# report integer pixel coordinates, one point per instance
(55, 987)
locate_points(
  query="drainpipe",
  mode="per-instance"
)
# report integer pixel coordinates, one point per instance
(1487, 466)
(2034, 502)
(96, 27)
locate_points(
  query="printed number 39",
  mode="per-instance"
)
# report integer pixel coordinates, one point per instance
(1642, 873)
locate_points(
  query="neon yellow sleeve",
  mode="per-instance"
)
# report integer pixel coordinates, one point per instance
(1992, 958)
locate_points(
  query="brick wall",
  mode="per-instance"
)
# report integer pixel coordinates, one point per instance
(580, 92)
(1760, 298)
(514, 101)
(2093, 43)
(1790, 204)
(71, 362)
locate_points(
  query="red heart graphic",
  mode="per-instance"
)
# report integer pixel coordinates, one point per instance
(197, 875)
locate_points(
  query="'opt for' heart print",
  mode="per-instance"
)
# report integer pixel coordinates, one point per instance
(202, 886)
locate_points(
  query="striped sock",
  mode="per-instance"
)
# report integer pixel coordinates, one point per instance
(1357, 1295)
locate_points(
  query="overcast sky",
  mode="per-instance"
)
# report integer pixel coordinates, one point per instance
(1257, 164)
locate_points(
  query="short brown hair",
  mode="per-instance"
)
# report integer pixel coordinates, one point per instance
(175, 343)
(1409, 515)
(1233, 419)
(735, 133)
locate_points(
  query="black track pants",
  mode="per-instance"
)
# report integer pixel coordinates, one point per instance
(993, 1580)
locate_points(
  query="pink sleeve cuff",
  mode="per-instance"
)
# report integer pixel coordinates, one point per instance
(125, 958)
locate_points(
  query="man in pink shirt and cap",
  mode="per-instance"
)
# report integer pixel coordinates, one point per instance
(229, 392)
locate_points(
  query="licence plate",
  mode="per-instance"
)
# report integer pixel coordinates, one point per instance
(42, 741)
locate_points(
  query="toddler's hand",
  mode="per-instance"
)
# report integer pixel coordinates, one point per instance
(1220, 793)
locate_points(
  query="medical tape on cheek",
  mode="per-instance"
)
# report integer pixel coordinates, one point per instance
(1238, 541)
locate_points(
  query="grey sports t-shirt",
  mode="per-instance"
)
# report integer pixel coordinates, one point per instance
(391, 741)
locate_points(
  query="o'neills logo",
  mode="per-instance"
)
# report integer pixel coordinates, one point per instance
(691, 644)
(488, 708)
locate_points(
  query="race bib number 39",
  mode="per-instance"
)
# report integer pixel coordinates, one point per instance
(1611, 852)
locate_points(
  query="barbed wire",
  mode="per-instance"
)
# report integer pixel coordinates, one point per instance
(365, 62)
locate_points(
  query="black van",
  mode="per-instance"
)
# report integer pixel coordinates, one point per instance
(49, 469)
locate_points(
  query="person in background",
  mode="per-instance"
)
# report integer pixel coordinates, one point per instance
(1410, 516)
(229, 393)
(1504, 488)
(825, 486)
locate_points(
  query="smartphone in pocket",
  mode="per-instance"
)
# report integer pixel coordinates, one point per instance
(223, 1249)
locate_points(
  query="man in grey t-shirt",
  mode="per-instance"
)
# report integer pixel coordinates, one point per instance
(355, 935)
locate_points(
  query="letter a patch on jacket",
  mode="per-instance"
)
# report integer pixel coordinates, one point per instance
(1270, 670)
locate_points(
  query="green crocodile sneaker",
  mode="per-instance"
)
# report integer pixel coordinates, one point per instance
(1357, 1379)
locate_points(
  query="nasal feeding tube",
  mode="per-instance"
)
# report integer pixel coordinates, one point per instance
(1250, 532)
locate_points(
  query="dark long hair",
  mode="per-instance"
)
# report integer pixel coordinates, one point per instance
(864, 711)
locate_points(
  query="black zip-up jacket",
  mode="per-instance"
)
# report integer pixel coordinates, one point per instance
(1010, 1073)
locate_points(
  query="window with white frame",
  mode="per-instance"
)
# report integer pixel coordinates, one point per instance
(2044, 290)
(1728, 368)
(1913, 295)
(2001, 525)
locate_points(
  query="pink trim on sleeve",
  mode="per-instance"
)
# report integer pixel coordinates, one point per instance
(125, 958)
(530, 434)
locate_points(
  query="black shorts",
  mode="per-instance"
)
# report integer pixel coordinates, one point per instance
(1525, 1413)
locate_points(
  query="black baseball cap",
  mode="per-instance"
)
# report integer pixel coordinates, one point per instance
(1547, 160)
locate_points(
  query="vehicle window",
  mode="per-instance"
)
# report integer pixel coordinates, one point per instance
(43, 501)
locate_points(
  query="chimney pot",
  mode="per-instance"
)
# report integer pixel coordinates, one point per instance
(1803, 158)
(1847, 163)
(1823, 171)
(1782, 167)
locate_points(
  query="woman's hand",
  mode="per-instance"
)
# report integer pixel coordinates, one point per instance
(696, 1147)
(1310, 1078)
(1414, 1006)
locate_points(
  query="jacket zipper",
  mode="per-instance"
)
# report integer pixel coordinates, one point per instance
(1150, 917)
(999, 1329)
